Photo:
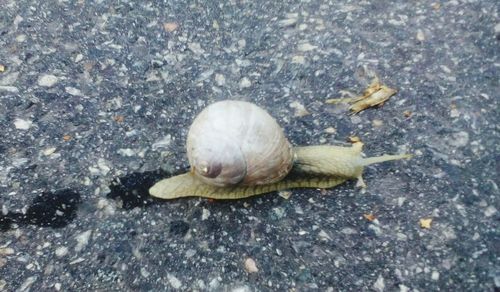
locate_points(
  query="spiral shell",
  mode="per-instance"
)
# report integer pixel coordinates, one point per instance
(236, 142)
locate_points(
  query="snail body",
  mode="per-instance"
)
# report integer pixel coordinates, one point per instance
(237, 150)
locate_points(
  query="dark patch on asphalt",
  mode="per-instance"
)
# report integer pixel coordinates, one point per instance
(49, 209)
(133, 189)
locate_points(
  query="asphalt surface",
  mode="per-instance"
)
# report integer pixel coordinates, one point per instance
(95, 103)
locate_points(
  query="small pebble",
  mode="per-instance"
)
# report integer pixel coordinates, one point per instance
(251, 266)
(220, 79)
(77, 261)
(170, 26)
(324, 236)
(420, 35)
(163, 143)
(205, 214)
(47, 80)
(490, 211)
(306, 47)
(73, 91)
(22, 124)
(287, 22)
(21, 38)
(377, 123)
(454, 113)
(330, 130)
(348, 231)
(127, 152)
(435, 275)
(300, 109)
(459, 139)
(103, 166)
(61, 251)
(298, 59)
(49, 151)
(242, 43)
(82, 240)
(497, 28)
(285, 194)
(27, 284)
(78, 58)
(6, 251)
(245, 83)
(174, 282)
(379, 285)
(196, 48)
(11, 89)
(145, 272)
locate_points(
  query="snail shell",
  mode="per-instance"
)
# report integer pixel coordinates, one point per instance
(237, 143)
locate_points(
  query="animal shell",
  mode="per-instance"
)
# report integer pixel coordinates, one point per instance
(236, 142)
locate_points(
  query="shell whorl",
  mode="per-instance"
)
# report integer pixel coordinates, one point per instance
(238, 143)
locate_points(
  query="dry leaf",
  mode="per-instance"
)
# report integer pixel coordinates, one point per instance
(87, 66)
(370, 217)
(375, 95)
(407, 114)
(66, 138)
(425, 223)
(119, 119)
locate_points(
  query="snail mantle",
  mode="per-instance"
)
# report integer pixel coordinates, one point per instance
(237, 150)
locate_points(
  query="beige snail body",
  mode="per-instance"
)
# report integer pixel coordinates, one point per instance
(237, 150)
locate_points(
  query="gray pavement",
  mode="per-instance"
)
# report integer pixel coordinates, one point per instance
(96, 99)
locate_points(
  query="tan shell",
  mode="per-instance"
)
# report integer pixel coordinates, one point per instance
(236, 142)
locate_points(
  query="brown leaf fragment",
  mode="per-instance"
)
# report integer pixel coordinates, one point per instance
(407, 114)
(370, 217)
(375, 95)
(66, 138)
(425, 223)
(87, 66)
(119, 119)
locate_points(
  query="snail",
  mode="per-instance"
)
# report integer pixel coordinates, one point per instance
(237, 150)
